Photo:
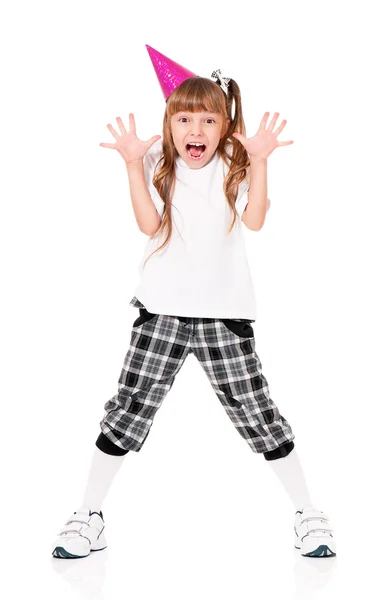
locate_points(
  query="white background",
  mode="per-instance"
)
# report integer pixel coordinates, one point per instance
(195, 513)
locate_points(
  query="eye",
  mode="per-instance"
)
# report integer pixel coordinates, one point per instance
(208, 119)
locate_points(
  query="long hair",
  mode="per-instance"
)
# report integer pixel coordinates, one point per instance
(198, 94)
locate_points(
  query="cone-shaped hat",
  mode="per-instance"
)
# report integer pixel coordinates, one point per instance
(170, 74)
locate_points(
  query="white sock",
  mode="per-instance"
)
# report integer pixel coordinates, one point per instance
(102, 472)
(289, 472)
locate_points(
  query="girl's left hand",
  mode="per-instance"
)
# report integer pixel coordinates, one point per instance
(264, 142)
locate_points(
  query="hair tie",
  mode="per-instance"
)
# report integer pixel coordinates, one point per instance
(222, 81)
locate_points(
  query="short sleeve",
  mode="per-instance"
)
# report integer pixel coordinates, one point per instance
(242, 198)
(150, 161)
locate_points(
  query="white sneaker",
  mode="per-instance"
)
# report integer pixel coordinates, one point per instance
(313, 533)
(82, 534)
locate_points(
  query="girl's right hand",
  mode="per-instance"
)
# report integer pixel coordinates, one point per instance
(128, 144)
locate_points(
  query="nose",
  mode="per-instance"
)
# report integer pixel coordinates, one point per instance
(196, 129)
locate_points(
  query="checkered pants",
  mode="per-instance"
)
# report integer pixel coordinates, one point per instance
(225, 349)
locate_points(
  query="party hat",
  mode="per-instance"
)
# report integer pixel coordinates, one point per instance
(170, 74)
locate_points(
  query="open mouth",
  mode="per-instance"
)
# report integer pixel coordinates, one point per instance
(195, 151)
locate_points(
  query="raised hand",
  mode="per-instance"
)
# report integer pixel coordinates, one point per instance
(265, 141)
(127, 143)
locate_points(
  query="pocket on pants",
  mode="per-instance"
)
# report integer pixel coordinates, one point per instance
(143, 317)
(241, 328)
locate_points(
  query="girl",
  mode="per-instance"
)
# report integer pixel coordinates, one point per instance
(190, 192)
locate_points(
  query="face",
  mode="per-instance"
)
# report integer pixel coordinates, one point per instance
(205, 128)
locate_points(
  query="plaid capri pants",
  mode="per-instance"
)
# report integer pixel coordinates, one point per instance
(225, 348)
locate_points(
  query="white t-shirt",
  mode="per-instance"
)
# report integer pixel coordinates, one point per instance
(202, 272)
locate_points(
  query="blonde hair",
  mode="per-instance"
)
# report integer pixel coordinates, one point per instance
(198, 94)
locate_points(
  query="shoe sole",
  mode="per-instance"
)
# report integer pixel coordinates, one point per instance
(323, 551)
(60, 552)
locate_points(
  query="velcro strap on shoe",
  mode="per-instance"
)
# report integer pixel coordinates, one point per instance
(68, 529)
(320, 526)
(313, 514)
(76, 520)
(313, 526)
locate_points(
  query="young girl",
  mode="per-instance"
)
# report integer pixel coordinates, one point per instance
(190, 192)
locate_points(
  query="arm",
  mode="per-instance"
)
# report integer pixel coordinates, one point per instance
(259, 148)
(254, 214)
(135, 152)
(147, 216)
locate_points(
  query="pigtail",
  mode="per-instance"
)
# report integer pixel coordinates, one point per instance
(233, 152)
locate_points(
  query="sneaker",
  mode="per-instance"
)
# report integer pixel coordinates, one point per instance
(313, 533)
(82, 534)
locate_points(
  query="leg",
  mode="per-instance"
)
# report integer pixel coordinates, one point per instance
(157, 351)
(226, 350)
(158, 348)
(290, 474)
(147, 375)
(103, 470)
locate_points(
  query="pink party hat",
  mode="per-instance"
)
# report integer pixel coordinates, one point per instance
(170, 74)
